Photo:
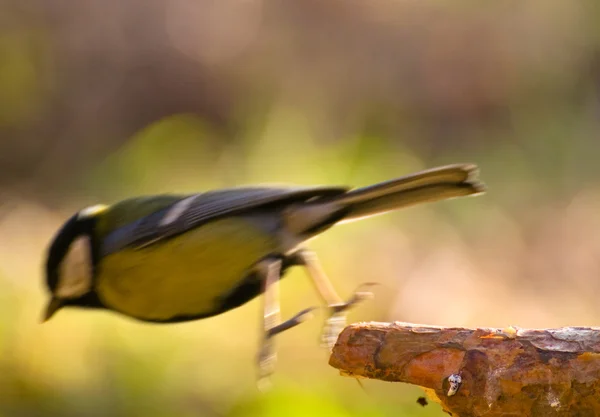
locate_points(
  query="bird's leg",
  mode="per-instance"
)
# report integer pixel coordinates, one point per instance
(338, 308)
(270, 271)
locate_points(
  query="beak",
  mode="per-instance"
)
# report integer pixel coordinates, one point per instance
(54, 305)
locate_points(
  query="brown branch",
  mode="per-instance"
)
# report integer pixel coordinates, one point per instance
(494, 372)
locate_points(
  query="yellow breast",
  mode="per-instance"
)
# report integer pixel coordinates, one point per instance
(185, 275)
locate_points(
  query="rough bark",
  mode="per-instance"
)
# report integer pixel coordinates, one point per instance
(501, 372)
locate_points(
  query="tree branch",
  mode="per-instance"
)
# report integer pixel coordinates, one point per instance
(476, 372)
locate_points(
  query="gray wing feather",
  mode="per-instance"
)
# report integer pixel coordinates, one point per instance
(194, 210)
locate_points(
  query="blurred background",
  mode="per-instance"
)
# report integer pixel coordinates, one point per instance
(104, 100)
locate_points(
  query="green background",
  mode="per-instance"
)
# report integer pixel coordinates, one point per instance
(103, 101)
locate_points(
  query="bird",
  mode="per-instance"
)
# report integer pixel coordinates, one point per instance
(172, 258)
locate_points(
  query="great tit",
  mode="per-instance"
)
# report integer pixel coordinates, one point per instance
(175, 258)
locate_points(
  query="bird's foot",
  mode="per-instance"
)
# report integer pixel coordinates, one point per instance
(267, 356)
(337, 318)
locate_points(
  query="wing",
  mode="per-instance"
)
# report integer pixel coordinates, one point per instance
(188, 212)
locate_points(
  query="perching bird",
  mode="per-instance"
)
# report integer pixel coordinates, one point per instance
(174, 258)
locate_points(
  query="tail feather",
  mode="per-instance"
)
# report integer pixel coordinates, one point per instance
(426, 186)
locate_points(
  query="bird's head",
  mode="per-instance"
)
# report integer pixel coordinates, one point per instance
(70, 263)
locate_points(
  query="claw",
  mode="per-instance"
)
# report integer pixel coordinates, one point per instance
(337, 320)
(357, 297)
(267, 356)
(302, 316)
(332, 328)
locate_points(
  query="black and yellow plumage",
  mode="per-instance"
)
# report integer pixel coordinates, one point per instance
(171, 258)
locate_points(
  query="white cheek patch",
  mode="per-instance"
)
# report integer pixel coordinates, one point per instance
(75, 271)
